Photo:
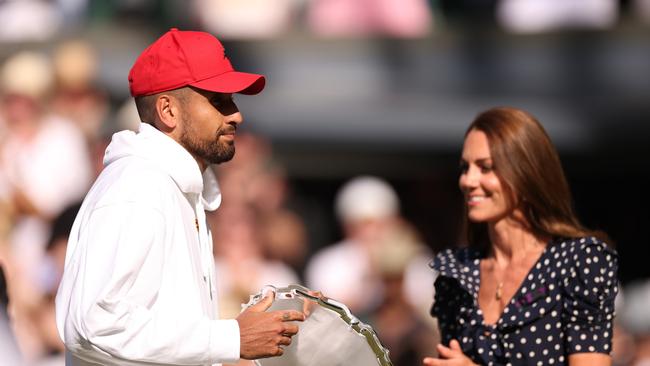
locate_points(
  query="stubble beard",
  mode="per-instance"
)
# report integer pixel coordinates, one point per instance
(212, 151)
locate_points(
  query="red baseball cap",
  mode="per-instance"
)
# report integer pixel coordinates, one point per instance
(181, 58)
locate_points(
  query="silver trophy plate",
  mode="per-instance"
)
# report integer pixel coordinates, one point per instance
(330, 336)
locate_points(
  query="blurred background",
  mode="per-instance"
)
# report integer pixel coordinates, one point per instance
(345, 177)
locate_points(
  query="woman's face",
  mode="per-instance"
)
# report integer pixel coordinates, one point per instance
(484, 194)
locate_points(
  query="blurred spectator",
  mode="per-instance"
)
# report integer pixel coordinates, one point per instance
(8, 347)
(236, 177)
(39, 148)
(348, 271)
(253, 180)
(242, 268)
(4, 295)
(283, 231)
(641, 8)
(363, 18)
(537, 16)
(44, 166)
(241, 265)
(6, 209)
(74, 12)
(53, 265)
(29, 20)
(248, 254)
(41, 315)
(635, 322)
(402, 328)
(77, 96)
(245, 19)
(366, 207)
(56, 246)
(285, 238)
(126, 117)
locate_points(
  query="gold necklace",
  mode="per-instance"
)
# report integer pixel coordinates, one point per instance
(499, 292)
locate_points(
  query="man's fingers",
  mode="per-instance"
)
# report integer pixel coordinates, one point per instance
(290, 330)
(308, 305)
(317, 294)
(289, 315)
(284, 341)
(264, 304)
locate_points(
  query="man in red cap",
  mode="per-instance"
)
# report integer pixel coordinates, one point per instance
(139, 286)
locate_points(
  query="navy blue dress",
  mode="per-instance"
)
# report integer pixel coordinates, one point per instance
(565, 305)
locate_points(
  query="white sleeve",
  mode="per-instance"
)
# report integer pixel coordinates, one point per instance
(121, 312)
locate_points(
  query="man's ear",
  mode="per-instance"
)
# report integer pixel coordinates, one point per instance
(168, 112)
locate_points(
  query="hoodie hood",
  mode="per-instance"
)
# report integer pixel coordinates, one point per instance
(167, 154)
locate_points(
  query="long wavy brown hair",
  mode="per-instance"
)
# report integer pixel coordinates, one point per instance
(529, 168)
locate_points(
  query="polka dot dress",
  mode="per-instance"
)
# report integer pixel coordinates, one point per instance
(565, 305)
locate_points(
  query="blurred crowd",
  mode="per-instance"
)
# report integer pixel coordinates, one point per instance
(40, 20)
(56, 120)
(50, 119)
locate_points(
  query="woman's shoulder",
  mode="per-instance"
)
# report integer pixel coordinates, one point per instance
(455, 257)
(590, 263)
(589, 279)
(585, 246)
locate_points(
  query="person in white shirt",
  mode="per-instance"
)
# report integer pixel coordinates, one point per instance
(139, 280)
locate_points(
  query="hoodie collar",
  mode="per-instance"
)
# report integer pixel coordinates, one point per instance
(171, 157)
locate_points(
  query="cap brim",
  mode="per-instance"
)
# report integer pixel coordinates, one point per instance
(233, 82)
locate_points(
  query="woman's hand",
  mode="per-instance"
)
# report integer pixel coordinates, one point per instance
(449, 356)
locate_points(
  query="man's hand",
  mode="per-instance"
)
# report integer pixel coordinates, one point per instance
(449, 356)
(262, 334)
(309, 305)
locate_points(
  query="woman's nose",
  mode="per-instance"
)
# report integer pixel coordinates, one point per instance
(470, 178)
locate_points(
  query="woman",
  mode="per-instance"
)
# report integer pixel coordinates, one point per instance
(534, 287)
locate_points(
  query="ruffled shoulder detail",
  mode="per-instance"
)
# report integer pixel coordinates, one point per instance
(461, 264)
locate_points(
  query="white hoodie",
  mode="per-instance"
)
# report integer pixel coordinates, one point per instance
(139, 286)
